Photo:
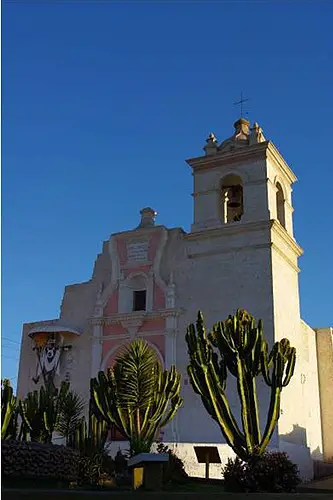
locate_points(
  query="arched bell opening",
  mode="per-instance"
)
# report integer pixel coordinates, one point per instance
(232, 206)
(280, 208)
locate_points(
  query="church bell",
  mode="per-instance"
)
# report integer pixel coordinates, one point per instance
(235, 197)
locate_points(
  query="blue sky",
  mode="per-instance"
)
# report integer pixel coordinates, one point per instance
(103, 101)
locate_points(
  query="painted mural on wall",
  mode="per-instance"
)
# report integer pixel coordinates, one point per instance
(49, 349)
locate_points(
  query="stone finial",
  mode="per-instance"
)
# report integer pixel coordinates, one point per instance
(242, 129)
(240, 138)
(147, 217)
(211, 145)
(256, 134)
(243, 136)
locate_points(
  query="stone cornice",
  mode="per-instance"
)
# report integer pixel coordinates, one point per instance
(238, 228)
(285, 236)
(229, 229)
(135, 317)
(259, 151)
(285, 257)
(244, 227)
(256, 151)
(124, 336)
(274, 154)
(45, 322)
(230, 249)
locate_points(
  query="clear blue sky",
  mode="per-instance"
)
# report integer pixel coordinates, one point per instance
(103, 101)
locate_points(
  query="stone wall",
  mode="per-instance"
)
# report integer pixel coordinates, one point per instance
(325, 374)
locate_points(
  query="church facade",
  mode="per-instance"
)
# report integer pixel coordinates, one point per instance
(150, 281)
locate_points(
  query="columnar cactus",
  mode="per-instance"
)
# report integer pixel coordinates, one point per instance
(8, 411)
(40, 412)
(89, 439)
(244, 353)
(137, 396)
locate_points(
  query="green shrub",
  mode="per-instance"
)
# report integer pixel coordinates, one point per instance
(235, 477)
(122, 473)
(30, 460)
(94, 468)
(271, 472)
(173, 470)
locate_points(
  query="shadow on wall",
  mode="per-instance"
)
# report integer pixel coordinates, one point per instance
(296, 436)
(310, 462)
(294, 443)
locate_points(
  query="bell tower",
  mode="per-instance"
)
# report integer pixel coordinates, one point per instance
(243, 179)
(241, 246)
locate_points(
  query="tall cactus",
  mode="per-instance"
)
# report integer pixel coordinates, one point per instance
(8, 411)
(244, 353)
(137, 396)
(40, 413)
(89, 439)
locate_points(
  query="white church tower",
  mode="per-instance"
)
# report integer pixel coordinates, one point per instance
(242, 254)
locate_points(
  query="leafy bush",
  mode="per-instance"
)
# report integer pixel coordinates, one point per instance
(173, 470)
(122, 473)
(30, 460)
(235, 475)
(271, 472)
(94, 468)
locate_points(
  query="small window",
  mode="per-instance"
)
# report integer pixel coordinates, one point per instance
(139, 300)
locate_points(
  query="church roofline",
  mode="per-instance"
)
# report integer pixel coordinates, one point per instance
(143, 231)
(262, 150)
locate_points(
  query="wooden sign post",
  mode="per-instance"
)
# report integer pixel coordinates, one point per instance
(207, 455)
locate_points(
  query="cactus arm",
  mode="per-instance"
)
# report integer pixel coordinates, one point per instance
(222, 413)
(290, 367)
(6, 422)
(272, 418)
(252, 402)
(243, 394)
(24, 414)
(8, 411)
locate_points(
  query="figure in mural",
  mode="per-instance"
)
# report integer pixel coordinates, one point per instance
(48, 355)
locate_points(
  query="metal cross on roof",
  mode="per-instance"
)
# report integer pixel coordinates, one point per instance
(241, 102)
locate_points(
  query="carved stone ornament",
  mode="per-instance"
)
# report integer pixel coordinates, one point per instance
(211, 145)
(147, 217)
(256, 135)
(132, 323)
(137, 251)
(243, 136)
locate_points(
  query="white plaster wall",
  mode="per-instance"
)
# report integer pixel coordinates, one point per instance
(308, 352)
(324, 341)
(299, 423)
(287, 324)
(185, 451)
(238, 275)
(78, 303)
